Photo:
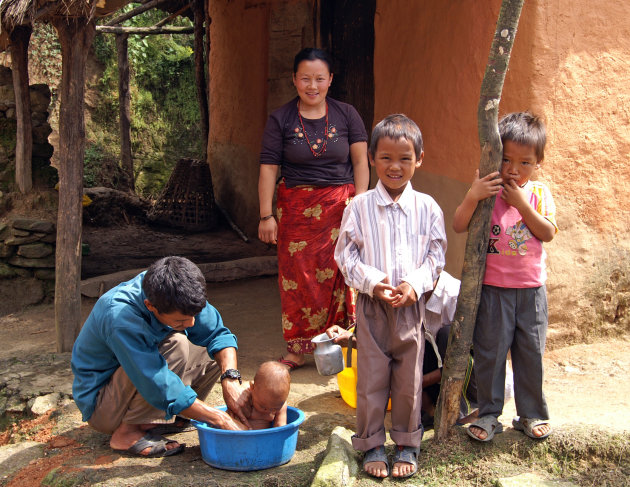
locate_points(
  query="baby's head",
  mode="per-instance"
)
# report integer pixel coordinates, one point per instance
(271, 387)
(524, 137)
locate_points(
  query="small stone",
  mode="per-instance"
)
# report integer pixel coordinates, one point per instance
(46, 262)
(16, 240)
(42, 404)
(32, 225)
(35, 250)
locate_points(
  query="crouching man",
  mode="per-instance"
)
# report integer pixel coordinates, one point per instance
(147, 356)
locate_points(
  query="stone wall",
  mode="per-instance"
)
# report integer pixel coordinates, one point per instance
(27, 263)
(43, 173)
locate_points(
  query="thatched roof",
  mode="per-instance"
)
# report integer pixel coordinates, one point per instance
(20, 12)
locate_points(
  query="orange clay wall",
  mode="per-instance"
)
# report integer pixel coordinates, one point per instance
(571, 64)
(253, 43)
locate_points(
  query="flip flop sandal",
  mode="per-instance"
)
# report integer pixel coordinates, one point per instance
(180, 425)
(527, 425)
(489, 424)
(290, 363)
(157, 443)
(376, 454)
(406, 454)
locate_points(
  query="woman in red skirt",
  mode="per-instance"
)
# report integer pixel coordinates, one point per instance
(317, 148)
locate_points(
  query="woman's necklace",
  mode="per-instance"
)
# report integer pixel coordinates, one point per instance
(318, 147)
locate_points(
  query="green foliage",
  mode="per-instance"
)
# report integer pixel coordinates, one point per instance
(165, 118)
(45, 50)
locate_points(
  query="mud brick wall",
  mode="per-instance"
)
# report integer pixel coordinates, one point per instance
(27, 263)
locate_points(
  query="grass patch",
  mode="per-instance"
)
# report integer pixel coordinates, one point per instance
(586, 457)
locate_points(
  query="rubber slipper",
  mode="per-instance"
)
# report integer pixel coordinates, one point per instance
(527, 425)
(489, 424)
(157, 443)
(290, 363)
(376, 454)
(180, 425)
(406, 454)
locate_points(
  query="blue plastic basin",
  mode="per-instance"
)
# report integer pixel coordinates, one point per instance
(249, 450)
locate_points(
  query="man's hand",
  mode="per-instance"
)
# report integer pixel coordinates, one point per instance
(224, 421)
(201, 411)
(238, 399)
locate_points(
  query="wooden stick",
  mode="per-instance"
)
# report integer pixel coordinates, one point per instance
(106, 29)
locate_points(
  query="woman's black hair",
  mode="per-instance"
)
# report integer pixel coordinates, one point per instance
(175, 284)
(312, 54)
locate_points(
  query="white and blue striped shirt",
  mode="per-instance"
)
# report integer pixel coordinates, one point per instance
(403, 240)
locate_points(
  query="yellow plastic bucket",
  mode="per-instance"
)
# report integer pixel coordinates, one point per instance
(347, 382)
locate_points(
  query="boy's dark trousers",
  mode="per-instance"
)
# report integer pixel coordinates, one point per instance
(516, 320)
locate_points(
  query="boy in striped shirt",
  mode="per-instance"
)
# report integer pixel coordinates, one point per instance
(391, 248)
(512, 311)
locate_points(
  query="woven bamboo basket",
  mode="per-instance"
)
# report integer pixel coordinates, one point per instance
(187, 201)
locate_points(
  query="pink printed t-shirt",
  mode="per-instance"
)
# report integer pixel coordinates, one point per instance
(516, 258)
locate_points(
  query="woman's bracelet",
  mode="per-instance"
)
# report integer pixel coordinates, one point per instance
(263, 218)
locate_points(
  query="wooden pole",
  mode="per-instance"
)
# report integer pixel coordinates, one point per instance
(75, 36)
(460, 339)
(20, 37)
(200, 70)
(167, 29)
(124, 109)
(136, 11)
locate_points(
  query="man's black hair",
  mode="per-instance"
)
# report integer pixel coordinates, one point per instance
(175, 284)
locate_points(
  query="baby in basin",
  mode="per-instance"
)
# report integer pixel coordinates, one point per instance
(268, 395)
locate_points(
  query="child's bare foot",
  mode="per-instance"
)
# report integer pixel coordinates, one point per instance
(485, 428)
(405, 461)
(478, 432)
(375, 462)
(541, 430)
(534, 428)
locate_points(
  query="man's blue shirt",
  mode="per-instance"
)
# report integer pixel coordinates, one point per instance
(121, 331)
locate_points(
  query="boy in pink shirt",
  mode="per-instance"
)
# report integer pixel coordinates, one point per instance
(512, 311)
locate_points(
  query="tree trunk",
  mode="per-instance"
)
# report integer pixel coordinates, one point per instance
(124, 104)
(75, 35)
(460, 339)
(200, 73)
(20, 37)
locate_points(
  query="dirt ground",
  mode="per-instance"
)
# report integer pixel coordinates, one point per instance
(586, 383)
